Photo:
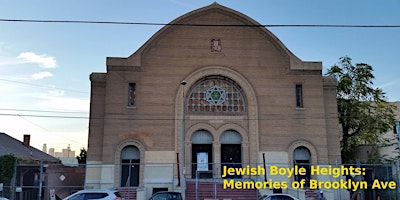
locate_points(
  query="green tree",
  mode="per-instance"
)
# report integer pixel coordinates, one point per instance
(364, 113)
(7, 166)
(82, 156)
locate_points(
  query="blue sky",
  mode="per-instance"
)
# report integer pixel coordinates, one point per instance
(46, 66)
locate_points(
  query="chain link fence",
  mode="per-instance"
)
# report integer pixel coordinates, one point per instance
(56, 181)
(26, 184)
(378, 178)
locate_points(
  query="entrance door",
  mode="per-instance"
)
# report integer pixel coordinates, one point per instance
(302, 159)
(304, 164)
(130, 165)
(231, 157)
(202, 154)
(204, 150)
(231, 151)
(130, 173)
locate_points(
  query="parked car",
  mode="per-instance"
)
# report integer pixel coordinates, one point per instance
(166, 196)
(95, 194)
(3, 198)
(278, 197)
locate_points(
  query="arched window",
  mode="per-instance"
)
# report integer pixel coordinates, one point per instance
(216, 94)
(302, 154)
(202, 137)
(130, 165)
(231, 137)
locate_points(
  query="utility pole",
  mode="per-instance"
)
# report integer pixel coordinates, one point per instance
(183, 83)
(13, 180)
(40, 180)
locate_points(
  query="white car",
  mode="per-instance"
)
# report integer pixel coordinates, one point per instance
(95, 194)
(278, 197)
(3, 198)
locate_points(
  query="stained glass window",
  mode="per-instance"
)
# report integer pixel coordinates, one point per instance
(215, 94)
(132, 94)
(299, 96)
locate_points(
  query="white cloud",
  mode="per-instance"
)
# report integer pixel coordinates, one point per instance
(41, 75)
(388, 84)
(44, 60)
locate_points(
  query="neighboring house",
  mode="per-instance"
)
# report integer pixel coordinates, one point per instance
(23, 150)
(28, 168)
(381, 161)
(63, 179)
(391, 152)
(245, 97)
(386, 153)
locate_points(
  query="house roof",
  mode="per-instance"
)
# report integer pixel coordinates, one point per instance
(10, 145)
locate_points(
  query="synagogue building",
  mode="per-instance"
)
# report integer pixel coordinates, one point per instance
(213, 88)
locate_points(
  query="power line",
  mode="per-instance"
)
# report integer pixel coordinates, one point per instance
(144, 118)
(207, 25)
(43, 116)
(44, 86)
(47, 130)
(113, 116)
(34, 123)
(45, 111)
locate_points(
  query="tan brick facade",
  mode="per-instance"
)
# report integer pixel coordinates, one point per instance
(252, 57)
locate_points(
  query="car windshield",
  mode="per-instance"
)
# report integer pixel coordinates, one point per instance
(95, 195)
(167, 196)
(280, 197)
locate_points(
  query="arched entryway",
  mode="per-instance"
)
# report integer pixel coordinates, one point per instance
(231, 151)
(202, 154)
(213, 99)
(130, 166)
(302, 158)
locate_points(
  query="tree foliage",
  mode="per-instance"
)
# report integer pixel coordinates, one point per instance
(7, 166)
(82, 156)
(364, 113)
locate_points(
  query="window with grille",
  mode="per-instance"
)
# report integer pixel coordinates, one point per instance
(299, 96)
(216, 94)
(131, 94)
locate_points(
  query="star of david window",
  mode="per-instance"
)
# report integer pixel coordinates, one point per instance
(215, 94)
